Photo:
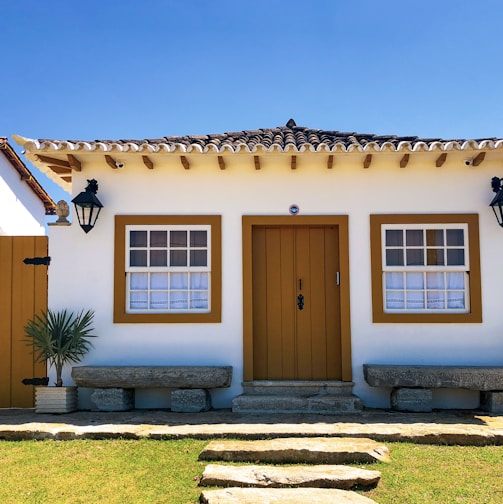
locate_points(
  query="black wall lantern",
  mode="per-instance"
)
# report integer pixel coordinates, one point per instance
(88, 206)
(497, 202)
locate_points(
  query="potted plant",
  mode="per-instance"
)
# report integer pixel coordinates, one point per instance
(59, 338)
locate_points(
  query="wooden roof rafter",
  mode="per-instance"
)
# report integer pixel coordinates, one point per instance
(478, 158)
(221, 162)
(404, 161)
(111, 162)
(148, 162)
(441, 160)
(367, 161)
(185, 162)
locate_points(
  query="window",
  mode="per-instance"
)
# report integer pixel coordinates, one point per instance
(425, 268)
(167, 269)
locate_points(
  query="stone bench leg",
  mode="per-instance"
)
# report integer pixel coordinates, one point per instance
(492, 401)
(412, 399)
(190, 400)
(113, 399)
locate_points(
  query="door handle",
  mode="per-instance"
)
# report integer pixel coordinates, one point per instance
(300, 302)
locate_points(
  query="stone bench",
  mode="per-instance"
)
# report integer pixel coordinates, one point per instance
(115, 385)
(412, 385)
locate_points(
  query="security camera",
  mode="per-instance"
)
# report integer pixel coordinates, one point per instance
(119, 164)
(468, 162)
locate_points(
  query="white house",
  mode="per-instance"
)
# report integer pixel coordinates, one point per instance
(23, 202)
(288, 253)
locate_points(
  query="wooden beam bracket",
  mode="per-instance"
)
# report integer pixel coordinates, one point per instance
(221, 162)
(441, 160)
(404, 161)
(256, 160)
(367, 161)
(293, 163)
(74, 163)
(147, 162)
(478, 158)
(111, 162)
(185, 162)
(330, 161)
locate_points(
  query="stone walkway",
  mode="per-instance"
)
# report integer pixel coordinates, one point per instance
(463, 428)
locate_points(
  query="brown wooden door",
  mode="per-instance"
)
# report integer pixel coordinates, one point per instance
(23, 292)
(290, 343)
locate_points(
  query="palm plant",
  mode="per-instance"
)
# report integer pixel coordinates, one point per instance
(60, 337)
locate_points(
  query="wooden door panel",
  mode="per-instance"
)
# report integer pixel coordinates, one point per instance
(303, 317)
(259, 288)
(273, 295)
(289, 343)
(288, 304)
(333, 304)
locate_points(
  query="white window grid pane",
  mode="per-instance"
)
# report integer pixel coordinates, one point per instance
(169, 292)
(443, 288)
(425, 247)
(169, 289)
(168, 248)
(431, 294)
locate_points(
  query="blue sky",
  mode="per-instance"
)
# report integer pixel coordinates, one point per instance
(110, 69)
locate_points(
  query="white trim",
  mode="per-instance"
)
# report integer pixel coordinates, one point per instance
(168, 270)
(442, 292)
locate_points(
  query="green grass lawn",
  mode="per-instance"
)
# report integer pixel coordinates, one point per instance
(125, 471)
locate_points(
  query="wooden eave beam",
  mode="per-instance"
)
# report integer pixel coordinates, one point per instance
(221, 162)
(440, 160)
(256, 160)
(147, 162)
(185, 162)
(404, 161)
(367, 161)
(479, 158)
(293, 163)
(330, 161)
(53, 161)
(74, 163)
(111, 162)
(60, 170)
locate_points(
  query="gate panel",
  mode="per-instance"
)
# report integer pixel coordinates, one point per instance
(23, 293)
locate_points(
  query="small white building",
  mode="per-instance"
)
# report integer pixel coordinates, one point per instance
(23, 202)
(288, 253)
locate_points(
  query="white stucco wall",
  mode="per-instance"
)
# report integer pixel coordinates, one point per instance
(81, 271)
(21, 211)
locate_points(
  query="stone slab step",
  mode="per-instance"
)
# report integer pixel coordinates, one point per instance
(297, 387)
(297, 451)
(315, 476)
(282, 496)
(327, 404)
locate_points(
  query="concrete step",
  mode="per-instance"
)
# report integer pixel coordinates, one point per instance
(327, 404)
(267, 476)
(282, 496)
(297, 451)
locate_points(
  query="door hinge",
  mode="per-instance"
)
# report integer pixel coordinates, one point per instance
(38, 261)
(338, 278)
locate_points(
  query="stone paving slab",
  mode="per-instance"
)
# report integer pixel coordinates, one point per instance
(314, 476)
(313, 450)
(460, 428)
(282, 496)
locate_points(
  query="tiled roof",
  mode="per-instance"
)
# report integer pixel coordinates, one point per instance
(26, 175)
(282, 139)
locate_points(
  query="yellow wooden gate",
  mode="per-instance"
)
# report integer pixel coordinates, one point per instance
(23, 293)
